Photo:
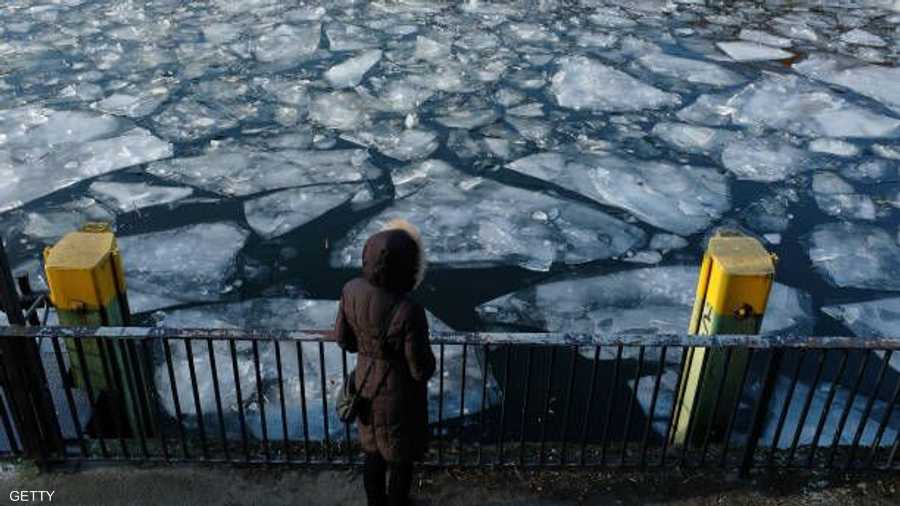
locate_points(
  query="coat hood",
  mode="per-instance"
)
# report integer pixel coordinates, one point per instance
(394, 259)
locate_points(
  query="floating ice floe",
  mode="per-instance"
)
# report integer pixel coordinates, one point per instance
(874, 81)
(188, 264)
(752, 51)
(835, 147)
(682, 199)
(43, 150)
(796, 105)
(350, 72)
(693, 138)
(857, 256)
(131, 196)
(287, 43)
(281, 212)
(304, 384)
(692, 71)
(391, 139)
(862, 38)
(585, 83)
(838, 198)
(339, 110)
(765, 160)
(51, 222)
(244, 171)
(638, 301)
(469, 221)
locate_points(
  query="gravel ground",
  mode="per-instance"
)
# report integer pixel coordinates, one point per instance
(257, 486)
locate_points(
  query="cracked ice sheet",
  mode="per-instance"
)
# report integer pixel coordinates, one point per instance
(470, 221)
(874, 81)
(187, 264)
(874, 318)
(584, 83)
(243, 171)
(684, 199)
(43, 150)
(290, 314)
(857, 256)
(131, 196)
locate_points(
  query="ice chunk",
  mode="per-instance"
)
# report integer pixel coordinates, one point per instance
(130, 196)
(190, 263)
(281, 212)
(836, 197)
(835, 147)
(751, 51)
(584, 83)
(874, 81)
(874, 318)
(693, 71)
(403, 96)
(764, 38)
(474, 221)
(639, 301)
(861, 37)
(188, 120)
(244, 171)
(793, 104)
(667, 242)
(288, 43)
(391, 140)
(339, 110)
(137, 104)
(468, 120)
(42, 151)
(431, 50)
(48, 224)
(344, 37)
(766, 160)
(712, 110)
(350, 72)
(858, 256)
(692, 139)
(871, 171)
(684, 199)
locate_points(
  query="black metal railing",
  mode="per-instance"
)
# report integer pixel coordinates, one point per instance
(535, 400)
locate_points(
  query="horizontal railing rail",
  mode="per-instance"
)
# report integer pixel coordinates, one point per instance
(764, 341)
(521, 399)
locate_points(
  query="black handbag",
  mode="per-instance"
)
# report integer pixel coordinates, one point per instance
(350, 402)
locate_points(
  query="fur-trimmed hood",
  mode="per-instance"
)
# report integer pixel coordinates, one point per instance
(394, 258)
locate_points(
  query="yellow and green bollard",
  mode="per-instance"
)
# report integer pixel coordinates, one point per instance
(732, 292)
(87, 286)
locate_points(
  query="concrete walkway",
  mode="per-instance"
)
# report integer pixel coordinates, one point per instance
(199, 486)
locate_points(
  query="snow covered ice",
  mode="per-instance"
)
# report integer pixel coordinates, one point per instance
(751, 51)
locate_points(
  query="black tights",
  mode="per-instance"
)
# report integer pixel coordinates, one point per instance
(374, 473)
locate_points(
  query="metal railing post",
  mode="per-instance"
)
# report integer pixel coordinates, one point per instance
(760, 411)
(32, 405)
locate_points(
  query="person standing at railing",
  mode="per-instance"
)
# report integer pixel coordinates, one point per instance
(390, 333)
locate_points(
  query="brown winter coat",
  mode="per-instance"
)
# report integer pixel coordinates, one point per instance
(396, 425)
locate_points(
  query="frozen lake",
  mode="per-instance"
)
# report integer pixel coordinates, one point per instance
(564, 160)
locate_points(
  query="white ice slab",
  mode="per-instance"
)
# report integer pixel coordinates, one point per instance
(281, 212)
(838, 198)
(857, 256)
(244, 171)
(874, 81)
(752, 51)
(350, 72)
(470, 221)
(690, 70)
(585, 83)
(190, 263)
(683, 199)
(131, 196)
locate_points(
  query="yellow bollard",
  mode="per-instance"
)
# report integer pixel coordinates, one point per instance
(732, 292)
(87, 286)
